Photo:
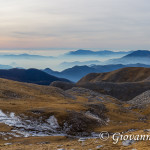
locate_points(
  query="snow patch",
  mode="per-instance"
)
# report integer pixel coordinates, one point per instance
(33, 127)
(53, 122)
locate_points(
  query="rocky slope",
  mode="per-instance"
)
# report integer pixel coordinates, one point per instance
(31, 113)
(122, 91)
(124, 84)
(77, 111)
(142, 99)
(34, 110)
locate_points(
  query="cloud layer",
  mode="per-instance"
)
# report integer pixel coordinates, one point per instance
(104, 24)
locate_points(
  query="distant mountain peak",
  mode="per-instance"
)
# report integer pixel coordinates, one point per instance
(139, 53)
(80, 52)
(24, 54)
(100, 52)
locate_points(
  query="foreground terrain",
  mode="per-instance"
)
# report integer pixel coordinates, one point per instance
(63, 143)
(46, 117)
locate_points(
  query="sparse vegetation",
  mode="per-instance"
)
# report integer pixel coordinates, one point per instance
(79, 111)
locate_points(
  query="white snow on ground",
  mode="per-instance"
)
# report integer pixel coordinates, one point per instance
(28, 128)
(35, 127)
(53, 122)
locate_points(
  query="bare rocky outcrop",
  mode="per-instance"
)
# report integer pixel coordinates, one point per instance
(83, 123)
(122, 91)
(123, 84)
(142, 99)
(91, 95)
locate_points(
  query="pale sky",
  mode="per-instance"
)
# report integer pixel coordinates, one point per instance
(101, 24)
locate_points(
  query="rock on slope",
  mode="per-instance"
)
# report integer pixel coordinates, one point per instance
(122, 91)
(123, 84)
(142, 99)
(50, 109)
(35, 110)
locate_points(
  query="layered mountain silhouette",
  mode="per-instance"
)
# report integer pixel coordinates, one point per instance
(24, 56)
(30, 76)
(5, 67)
(79, 63)
(139, 56)
(139, 53)
(113, 98)
(77, 72)
(100, 53)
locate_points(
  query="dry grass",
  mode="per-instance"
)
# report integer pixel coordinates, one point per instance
(129, 74)
(68, 144)
(23, 98)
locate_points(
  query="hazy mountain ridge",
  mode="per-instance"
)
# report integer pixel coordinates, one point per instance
(5, 67)
(25, 56)
(87, 58)
(79, 63)
(139, 53)
(139, 56)
(106, 57)
(102, 52)
(77, 72)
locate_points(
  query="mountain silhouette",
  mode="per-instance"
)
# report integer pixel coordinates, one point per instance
(77, 72)
(30, 76)
(139, 56)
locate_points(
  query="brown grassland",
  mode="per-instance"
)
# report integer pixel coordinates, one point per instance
(23, 98)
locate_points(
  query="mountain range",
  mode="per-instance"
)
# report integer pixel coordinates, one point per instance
(77, 72)
(79, 63)
(105, 58)
(113, 98)
(100, 53)
(24, 56)
(139, 56)
(5, 67)
(30, 76)
(75, 58)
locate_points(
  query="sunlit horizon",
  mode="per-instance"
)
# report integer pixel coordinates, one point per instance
(108, 25)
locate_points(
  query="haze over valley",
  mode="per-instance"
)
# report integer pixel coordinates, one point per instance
(59, 62)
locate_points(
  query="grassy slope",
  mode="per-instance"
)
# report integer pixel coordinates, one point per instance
(24, 98)
(124, 84)
(131, 74)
